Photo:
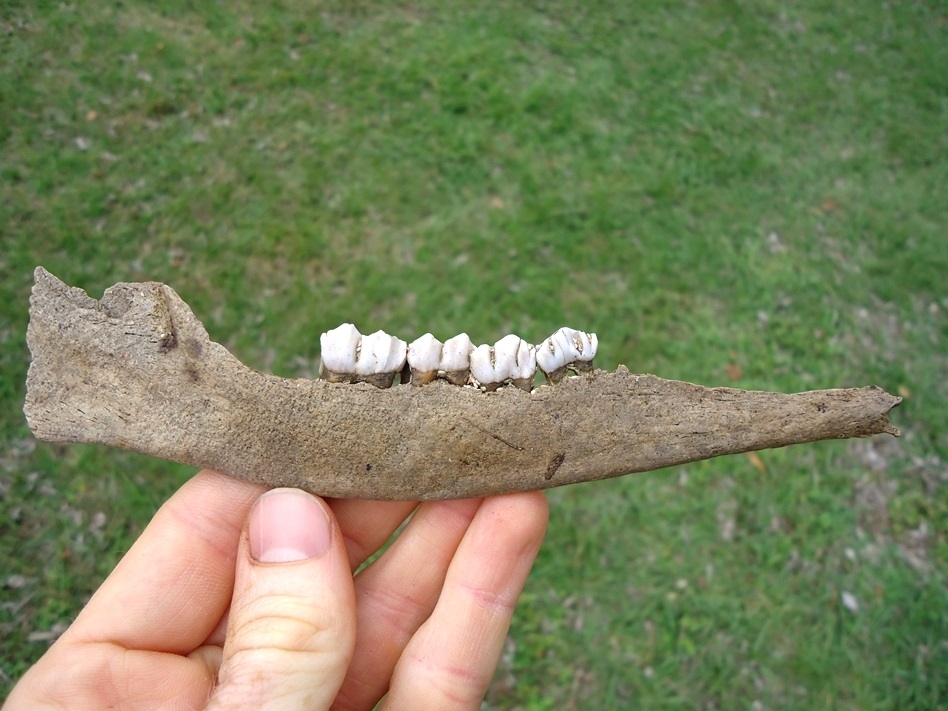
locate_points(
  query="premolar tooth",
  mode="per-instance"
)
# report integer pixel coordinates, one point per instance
(567, 349)
(424, 359)
(380, 358)
(338, 349)
(455, 363)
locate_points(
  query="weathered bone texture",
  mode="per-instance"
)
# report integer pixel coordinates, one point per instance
(137, 370)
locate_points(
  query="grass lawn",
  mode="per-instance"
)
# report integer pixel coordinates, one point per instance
(752, 194)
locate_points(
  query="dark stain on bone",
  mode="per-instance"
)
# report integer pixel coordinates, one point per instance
(496, 436)
(168, 342)
(554, 465)
(193, 347)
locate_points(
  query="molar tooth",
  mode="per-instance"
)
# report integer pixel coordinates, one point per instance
(424, 359)
(338, 352)
(586, 344)
(483, 367)
(567, 349)
(516, 360)
(525, 366)
(455, 362)
(380, 358)
(510, 359)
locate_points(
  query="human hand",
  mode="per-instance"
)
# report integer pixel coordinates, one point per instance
(234, 598)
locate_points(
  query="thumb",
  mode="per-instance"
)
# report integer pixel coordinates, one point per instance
(291, 627)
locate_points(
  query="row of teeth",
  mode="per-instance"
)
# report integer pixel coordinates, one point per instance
(350, 357)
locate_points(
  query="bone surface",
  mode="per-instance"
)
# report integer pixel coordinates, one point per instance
(137, 370)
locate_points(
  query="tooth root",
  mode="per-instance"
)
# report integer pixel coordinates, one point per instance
(379, 380)
(582, 366)
(555, 376)
(457, 377)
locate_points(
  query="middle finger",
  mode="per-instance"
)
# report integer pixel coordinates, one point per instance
(397, 593)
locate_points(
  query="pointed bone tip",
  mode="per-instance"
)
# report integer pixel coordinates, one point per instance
(44, 280)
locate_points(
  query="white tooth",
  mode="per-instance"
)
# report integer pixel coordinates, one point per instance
(511, 358)
(567, 348)
(507, 357)
(516, 360)
(552, 353)
(483, 369)
(586, 344)
(338, 349)
(380, 353)
(456, 353)
(424, 354)
(455, 363)
(526, 362)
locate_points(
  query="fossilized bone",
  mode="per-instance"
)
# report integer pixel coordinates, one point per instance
(137, 370)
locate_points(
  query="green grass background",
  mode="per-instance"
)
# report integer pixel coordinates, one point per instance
(751, 194)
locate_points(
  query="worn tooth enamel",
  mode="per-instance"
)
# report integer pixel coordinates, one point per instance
(525, 366)
(380, 358)
(483, 367)
(455, 362)
(338, 352)
(424, 359)
(348, 356)
(567, 349)
(510, 359)
(586, 344)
